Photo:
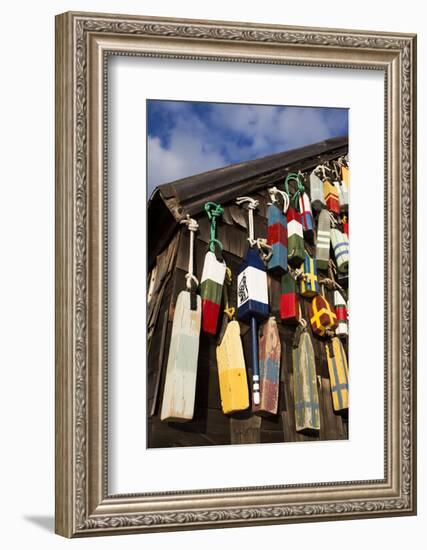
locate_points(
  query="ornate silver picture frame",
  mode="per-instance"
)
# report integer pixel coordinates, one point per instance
(84, 43)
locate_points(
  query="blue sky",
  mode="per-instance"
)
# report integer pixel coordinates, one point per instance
(186, 138)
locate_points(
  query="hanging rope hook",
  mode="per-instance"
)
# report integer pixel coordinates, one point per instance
(252, 205)
(192, 226)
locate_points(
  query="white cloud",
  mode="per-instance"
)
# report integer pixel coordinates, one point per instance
(185, 156)
(231, 133)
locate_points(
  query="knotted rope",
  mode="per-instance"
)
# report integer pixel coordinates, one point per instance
(299, 190)
(192, 226)
(262, 245)
(252, 205)
(214, 211)
(273, 191)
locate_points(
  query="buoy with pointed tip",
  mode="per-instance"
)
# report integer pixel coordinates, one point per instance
(252, 294)
(181, 371)
(338, 374)
(306, 395)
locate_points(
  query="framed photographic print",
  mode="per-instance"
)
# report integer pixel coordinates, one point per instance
(235, 274)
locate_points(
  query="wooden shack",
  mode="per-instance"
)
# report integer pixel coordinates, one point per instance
(167, 259)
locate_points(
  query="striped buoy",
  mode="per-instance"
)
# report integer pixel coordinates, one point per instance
(341, 313)
(338, 373)
(269, 368)
(296, 252)
(289, 308)
(309, 282)
(306, 396)
(277, 233)
(211, 291)
(213, 274)
(252, 294)
(316, 191)
(323, 239)
(331, 197)
(306, 216)
(181, 371)
(340, 246)
(322, 316)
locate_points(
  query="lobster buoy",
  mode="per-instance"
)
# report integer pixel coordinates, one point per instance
(181, 371)
(213, 274)
(289, 307)
(277, 238)
(233, 382)
(296, 251)
(252, 295)
(322, 316)
(331, 197)
(316, 191)
(306, 216)
(338, 373)
(340, 246)
(341, 313)
(309, 282)
(211, 291)
(306, 395)
(269, 368)
(323, 241)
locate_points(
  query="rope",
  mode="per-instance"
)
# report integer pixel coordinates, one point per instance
(229, 311)
(273, 192)
(299, 190)
(330, 281)
(332, 285)
(213, 211)
(252, 204)
(336, 170)
(192, 226)
(333, 220)
(262, 244)
(296, 274)
(302, 326)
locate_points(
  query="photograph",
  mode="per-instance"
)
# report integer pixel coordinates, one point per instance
(248, 273)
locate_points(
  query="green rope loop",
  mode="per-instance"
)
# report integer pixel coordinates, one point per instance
(299, 191)
(214, 211)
